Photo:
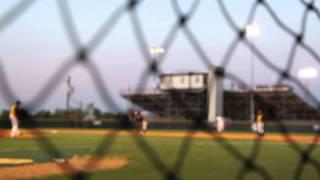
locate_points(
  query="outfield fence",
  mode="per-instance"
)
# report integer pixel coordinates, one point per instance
(82, 55)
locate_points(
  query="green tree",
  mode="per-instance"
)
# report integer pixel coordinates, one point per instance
(4, 114)
(43, 114)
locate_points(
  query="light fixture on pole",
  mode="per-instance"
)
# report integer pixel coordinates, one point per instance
(307, 73)
(253, 31)
(156, 51)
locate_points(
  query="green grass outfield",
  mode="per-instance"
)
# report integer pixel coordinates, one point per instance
(206, 158)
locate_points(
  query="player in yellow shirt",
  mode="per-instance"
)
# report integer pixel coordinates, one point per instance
(13, 115)
(260, 123)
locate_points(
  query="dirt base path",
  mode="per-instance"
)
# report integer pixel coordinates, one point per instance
(233, 135)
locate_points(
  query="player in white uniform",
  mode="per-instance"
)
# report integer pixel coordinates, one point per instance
(13, 115)
(220, 124)
(260, 123)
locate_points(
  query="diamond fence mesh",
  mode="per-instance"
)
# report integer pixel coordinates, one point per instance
(82, 54)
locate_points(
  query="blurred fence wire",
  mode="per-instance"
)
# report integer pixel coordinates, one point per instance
(82, 55)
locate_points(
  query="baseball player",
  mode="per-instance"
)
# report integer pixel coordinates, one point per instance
(142, 122)
(13, 116)
(260, 123)
(131, 114)
(220, 124)
(139, 119)
(144, 125)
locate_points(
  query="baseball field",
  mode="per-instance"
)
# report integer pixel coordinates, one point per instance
(105, 154)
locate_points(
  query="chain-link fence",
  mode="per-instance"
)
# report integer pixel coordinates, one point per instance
(83, 55)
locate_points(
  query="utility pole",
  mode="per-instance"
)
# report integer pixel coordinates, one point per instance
(70, 90)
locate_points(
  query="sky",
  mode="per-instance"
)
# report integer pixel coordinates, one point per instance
(35, 44)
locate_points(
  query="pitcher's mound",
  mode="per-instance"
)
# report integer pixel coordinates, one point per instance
(68, 166)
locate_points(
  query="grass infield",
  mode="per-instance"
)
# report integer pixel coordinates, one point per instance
(205, 158)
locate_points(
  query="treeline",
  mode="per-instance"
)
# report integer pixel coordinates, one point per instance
(62, 114)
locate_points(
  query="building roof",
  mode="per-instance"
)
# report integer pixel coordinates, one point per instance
(183, 73)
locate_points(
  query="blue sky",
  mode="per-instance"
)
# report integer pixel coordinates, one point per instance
(36, 44)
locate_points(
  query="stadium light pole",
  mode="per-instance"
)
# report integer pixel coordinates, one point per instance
(70, 90)
(252, 31)
(155, 52)
(309, 73)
